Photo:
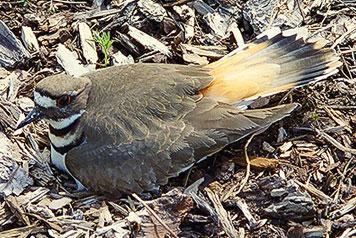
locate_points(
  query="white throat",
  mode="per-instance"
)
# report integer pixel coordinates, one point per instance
(64, 142)
(70, 137)
(64, 122)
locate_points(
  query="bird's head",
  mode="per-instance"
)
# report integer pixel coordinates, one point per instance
(59, 98)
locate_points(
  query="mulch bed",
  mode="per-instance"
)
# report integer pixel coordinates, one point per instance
(302, 176)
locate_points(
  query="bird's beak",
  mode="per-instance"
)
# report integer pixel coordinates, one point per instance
(32, 116)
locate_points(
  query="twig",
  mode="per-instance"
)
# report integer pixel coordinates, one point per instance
(346, 66)
(285, 96)
(70, 2)
(154, 214)
(342, 37)
(329, 139)
(253, 223)
(335, 143)
(319, 194)
(248, 168)
(176, 3)
(342, 107)
(224, 216)
(273, 16)
(318, 31)
(337, 192)
(348, 233)
(301, 12)
(326, 15)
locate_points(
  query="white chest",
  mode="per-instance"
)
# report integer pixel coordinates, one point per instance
(58, 160)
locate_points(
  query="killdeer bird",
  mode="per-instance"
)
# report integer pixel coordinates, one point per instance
(130, 128)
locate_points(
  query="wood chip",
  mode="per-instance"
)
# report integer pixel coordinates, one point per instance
(223, 215)
(70, 63)
(217, 24)
(195, 59)
(234, 29)
(188, 17)
(14, 178)
(121, 227)
(17, 232)
(104, 215)
(126, 43)
(14, 86)
(17, 209)
(201, 7)
(253, 223)
(319, 194)
(146, 41)
(267, 147)
(59, 203)
(214, 52)
(12, 51)
(88, 47)
(346, 208)
(29, 39)
(152, 10)
(286, 146)
(120, 59)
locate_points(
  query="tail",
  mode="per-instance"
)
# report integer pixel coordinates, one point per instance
(271, 65)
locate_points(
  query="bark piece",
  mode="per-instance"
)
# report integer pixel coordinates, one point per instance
(12, 52)
(29, 39)
(120, 59)
(148, 42)
(88, 47)
(187, 16)
(262, 14)
(280, 198)
(152, 10)
(171, 208)
(13, 178)
(69, 61)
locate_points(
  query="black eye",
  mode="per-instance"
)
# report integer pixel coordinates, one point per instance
(64, 100)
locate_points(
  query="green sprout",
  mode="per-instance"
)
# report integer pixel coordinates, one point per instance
(25, 2)
(104, 41)
(315, 116)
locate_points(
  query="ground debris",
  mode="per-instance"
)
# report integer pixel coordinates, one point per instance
(280, 199)
(89, 49)
(12, 51)
(312, 152)
(146, 41)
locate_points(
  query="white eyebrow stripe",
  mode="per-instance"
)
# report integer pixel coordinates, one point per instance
(44, 101)
(64, 122)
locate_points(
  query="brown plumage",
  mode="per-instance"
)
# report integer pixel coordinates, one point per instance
(141, 124)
